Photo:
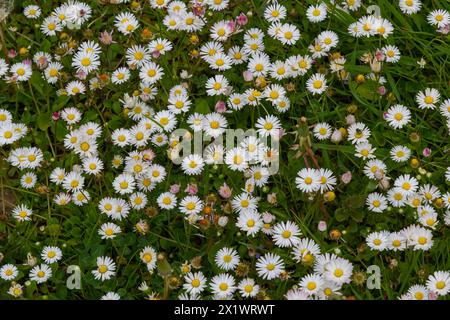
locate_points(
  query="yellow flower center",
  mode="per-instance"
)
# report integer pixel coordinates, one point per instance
(311, 285)
(102, 268)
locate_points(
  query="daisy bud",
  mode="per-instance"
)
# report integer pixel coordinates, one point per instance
(379, 174)
(360, 78)
(346, 177)
(393, 263)
(379, 55)
(375, 65)
(55, 116)
(272, 198)
(414, 137)
(335, 234)
(414, 163)
(329, 196)
(432, 295)
(12, 53)
(382, 90)
(426, 152)
(242, 19)
(223, 220)
(337, 251)
(267, 217)
(192, 189)
(322, 226)
(350, 119)
(383, 183)
(175, 188)
(225, 191)
(359, 278)
(231, 25)
(220, 106)
(248, 76)
(336, 136)
(106, 38)
(156, 54)
(31, 261)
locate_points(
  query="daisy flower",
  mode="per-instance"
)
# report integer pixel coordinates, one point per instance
(22, 213)
(391, 53)
(317, 84)
(249, 222)
(268, 126)
(40, 273)
(311, 283)
(32, 12)
(400, 153)
(195, 283)
(322, 131)
(167, 201)
(8, 272)
(148, 256)
(217, 85)
(21, 71)
(51, 254)
(269, 266)
(439, 282)
(428, 98)
(358, 132)
(439, 18)
(410, 6)
(286, 234)
(248, 288)
(376, 202)
(109, 230)
(110, 296)
(316, 13)
(227, 258)
(106, 269)
(274, 12)
(192, 164)
(222, 285)
(308, 180)
(378, 240)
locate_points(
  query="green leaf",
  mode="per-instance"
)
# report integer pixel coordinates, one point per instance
(43, 121)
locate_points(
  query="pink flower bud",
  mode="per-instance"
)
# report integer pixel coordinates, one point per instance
(156, 54)
(225, 191)
(55, 116)
(322, 226)
(175, 188)
(192, 189)
(12, 53)
(382, 90)
(379, 55)
(242, 19)
(268, 218)
(346, 177)
(350, 119)
(426, 152)
(231, 26)
(220, 107)
(81, 75)
(248, 76)
(336, 136)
